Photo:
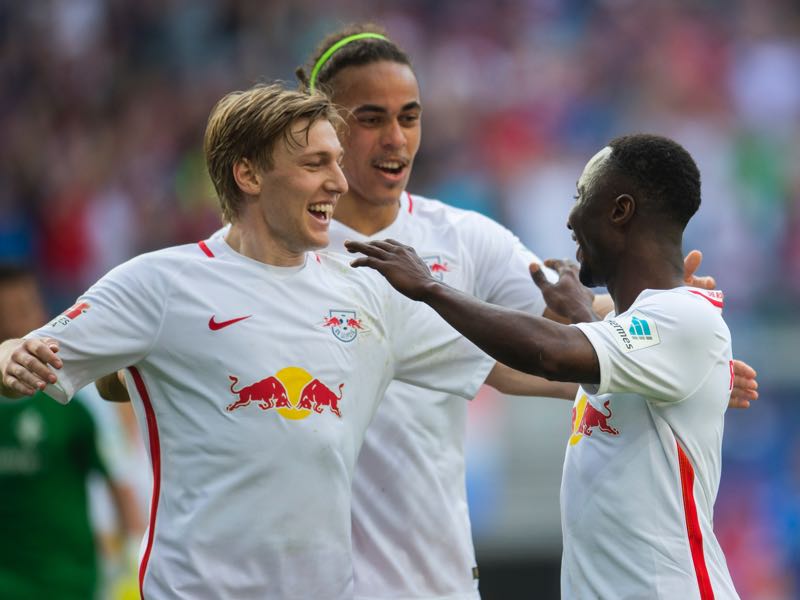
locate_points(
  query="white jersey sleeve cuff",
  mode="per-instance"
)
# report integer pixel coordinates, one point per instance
(596, 340)
(62, 390)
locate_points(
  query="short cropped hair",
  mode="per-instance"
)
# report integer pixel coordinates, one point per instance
(247, 125)
(354, 54)
(663, 170)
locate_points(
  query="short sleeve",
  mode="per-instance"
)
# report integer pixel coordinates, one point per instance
(111, 326)
(664, 349)
(501, 264)
(429, 353)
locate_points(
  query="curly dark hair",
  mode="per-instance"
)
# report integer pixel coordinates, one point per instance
(664, 172)
(356, 53)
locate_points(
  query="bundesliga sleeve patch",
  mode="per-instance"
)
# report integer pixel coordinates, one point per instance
(634, 332)
(68, 316)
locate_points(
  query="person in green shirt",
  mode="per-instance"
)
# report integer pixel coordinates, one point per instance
(47, 454)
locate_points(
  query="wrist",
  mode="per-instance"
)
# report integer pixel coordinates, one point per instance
(430, 291)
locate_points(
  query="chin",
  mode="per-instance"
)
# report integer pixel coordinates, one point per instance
(586, 276)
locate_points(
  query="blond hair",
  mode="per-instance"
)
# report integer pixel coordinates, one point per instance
(247, 125)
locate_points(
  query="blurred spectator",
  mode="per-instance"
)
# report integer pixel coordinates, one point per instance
(47, 454)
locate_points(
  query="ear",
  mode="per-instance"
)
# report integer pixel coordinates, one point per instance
(247, 177)
(623, 210)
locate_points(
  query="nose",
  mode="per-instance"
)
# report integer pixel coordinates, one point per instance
(393, 135)
(337, 182)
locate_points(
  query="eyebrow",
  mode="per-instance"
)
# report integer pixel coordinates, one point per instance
(322, 154)
(413, 105)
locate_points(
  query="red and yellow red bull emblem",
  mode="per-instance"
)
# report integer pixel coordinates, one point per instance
(293, 392)
(586, 418)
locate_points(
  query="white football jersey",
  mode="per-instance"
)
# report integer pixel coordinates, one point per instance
(411, 528)
(253, 385)
(643, 462)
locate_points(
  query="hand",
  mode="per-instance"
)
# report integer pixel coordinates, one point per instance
(24, 366)
(112, 387)
(567, 297)
(399, 264)
(744, 385)
(690, 265)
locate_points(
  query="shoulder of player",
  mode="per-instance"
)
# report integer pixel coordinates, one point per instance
(690, 309)
(338, 263)
(468, 223)
(155, 268)
(336, 270)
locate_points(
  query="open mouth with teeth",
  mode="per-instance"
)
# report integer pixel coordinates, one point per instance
(392, 168)
(321, 211)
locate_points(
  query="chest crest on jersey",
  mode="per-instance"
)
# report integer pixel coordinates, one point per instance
(437, 265)
(587, 419)
(345, 325)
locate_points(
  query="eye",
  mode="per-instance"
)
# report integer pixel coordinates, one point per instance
(409, 119)
(369, 120)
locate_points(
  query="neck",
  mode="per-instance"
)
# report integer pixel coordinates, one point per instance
(253, 241)
(365, 217)
(645, 265)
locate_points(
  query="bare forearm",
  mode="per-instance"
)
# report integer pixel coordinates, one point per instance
(516, 383)
(523, 342)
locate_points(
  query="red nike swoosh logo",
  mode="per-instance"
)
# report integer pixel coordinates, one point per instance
(214, 326)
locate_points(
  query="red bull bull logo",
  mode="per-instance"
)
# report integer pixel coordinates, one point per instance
(437, 266)
(586, 418)
(293, 392)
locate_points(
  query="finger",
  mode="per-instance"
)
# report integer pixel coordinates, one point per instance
(399, 244)
(745, 383)
(34, 356)
(742, 399)
(706, 282)
(538, 275)
(354, 247)
(738, 403)
(18, 386)
(28, 377)
(43, 350)
(366, 261)
(742, 369)
(389, 246)
(691, 263)
(366, 248)
(562, 266)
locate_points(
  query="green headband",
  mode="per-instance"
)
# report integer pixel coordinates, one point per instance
(329, 52)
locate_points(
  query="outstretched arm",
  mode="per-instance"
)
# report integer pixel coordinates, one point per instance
(523, 342)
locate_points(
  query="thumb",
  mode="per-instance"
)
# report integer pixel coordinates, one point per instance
(538, 275)
(691, 263)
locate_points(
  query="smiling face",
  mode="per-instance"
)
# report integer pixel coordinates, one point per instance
(298, 194)
(383, 133)
(588, 221)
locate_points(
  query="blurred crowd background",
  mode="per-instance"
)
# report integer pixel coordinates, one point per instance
(103, 106)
